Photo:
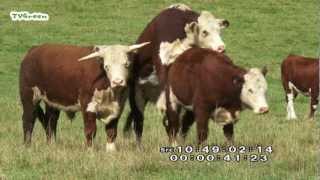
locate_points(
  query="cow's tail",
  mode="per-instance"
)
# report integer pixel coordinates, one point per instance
(40, 115)
(166, 88)
(134, 111)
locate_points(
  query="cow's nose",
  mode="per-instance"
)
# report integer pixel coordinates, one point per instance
(263, 110)
(117, 82)
(221, 49)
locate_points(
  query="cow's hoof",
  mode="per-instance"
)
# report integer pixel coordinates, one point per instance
(140, 147)
(111, 147)
(174, 143)
(310, 118)
(91, 151)
(229, 142)
(127, 133)
(292, 118)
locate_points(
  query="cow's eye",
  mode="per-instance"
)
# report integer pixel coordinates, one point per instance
(250, 91)
(205, 33)
(126, 64)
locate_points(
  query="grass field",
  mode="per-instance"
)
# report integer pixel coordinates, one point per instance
(261, 33)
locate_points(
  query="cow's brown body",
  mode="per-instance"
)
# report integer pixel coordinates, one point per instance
(56, 72)
(204, 80)
(167, 26)
(301, 74)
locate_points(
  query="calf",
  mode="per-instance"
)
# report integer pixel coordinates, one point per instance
(52, 73)
(209, 85)
(300, 75)
(178, 22)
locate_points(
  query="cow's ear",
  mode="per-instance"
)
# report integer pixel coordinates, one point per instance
(224, 23)
(238, 81)
(192, 27)
(264, 70)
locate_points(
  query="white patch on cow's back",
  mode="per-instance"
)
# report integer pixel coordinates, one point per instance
(180, 6)
(170, 51)
(38, 96)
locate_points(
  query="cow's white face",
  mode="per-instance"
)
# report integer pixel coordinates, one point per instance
(207, 31)
(254, 89)
(116, 62)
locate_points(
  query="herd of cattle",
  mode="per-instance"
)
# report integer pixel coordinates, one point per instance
(177, 63)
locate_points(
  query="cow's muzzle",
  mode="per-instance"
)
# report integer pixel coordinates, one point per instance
(263, 110)
(118, 83)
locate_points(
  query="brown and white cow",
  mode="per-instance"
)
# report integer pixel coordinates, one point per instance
(178, 22)
(300, 75)
(208, 85)
(53, 74)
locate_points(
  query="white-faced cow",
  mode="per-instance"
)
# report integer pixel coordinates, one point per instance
(300, 75)
(53, 74)
(178, 22)
(208, 85)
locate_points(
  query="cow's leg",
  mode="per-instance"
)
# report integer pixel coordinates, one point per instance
(290, 106)
(313, 105)
(28, 118)
(51, 116)
(187, 121)
(173, 125)
(228, 133)
(111, 130)
(31, 110)
(138, 110)
(42, 118)
(202, 119)
(172, 113)
(128, 125)
(90, 126)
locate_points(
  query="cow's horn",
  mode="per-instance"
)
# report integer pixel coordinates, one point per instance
(92, 55)
(137, 46)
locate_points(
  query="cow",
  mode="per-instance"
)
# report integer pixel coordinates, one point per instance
(52, 73)
(300, 75)
(177, 22)
(207, 84)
